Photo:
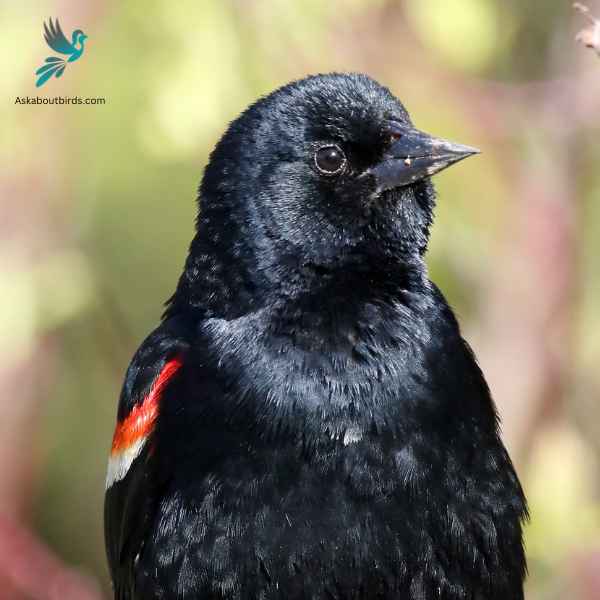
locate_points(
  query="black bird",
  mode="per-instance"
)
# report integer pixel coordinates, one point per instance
(307, 422)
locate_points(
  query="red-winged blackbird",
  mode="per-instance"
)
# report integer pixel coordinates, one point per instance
(307, 422)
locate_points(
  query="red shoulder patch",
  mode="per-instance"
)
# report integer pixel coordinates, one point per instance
(131, 433)
(140, 421)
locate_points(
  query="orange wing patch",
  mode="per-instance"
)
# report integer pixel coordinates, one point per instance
(132, 432)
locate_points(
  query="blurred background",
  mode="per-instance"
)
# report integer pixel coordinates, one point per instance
(97, 210)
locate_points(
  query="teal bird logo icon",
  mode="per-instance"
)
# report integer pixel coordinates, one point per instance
(56, 39)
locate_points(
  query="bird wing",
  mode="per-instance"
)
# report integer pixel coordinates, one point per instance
(56, 39)
(134, 478)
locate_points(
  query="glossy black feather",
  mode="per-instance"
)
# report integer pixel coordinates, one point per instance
(330, 434)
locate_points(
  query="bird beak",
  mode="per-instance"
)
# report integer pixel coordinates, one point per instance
(414, 155)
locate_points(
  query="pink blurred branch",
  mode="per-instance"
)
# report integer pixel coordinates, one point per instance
(29, 570)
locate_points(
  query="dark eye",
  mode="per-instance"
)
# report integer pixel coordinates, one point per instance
(330, 160)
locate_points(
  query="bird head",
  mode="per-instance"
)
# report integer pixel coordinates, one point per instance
(327, 172)
(78, 37)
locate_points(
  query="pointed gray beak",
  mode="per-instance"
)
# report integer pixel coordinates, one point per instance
(414, 155)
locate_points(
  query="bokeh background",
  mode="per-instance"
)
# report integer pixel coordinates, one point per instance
(97, 210)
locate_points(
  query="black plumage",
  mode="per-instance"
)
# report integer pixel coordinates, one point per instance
(326, 432)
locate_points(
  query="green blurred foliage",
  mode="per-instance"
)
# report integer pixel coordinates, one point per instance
(111, 189)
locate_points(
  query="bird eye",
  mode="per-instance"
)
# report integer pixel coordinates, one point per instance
(330, 160)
